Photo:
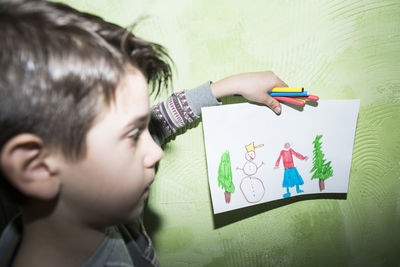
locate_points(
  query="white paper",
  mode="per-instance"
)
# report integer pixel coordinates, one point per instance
(233, 127)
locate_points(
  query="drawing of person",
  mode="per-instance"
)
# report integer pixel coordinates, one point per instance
(291, 176)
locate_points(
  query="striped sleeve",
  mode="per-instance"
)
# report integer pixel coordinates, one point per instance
(180, 109)
(174, 113)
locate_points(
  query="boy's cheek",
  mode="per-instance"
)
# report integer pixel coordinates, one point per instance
(114, 197)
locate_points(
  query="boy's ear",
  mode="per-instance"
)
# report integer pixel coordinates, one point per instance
(29, 167)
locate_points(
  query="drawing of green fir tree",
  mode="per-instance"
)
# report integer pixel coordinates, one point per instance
(225, 176)
(322, 170)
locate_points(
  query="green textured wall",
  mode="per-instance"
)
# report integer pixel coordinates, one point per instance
(337, 49)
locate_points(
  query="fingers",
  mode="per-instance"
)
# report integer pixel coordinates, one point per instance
(274, 81)
(281, 83)
(278, 81)
(274, 104)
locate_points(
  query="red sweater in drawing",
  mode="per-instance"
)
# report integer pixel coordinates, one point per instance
(287, 158)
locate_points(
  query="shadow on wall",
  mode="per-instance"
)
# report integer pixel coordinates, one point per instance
(229, 217)
(152, 221)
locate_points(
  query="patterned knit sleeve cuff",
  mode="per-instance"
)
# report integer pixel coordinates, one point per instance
(173, 113)
(182, 108)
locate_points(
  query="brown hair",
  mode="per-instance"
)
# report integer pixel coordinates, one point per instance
(59, 66)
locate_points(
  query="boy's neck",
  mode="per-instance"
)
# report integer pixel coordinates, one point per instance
(54, 240)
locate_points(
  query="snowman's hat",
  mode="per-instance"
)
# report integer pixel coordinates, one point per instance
(251, 147)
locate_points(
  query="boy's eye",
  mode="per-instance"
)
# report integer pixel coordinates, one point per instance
(134, 134)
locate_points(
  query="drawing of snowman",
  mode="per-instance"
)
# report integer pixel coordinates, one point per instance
(252, 187)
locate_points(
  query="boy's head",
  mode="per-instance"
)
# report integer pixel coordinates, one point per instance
(62, 74)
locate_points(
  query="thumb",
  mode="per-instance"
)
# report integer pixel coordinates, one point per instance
(273, 104)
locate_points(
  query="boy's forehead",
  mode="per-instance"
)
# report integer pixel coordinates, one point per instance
(132, 87)
(131, 73)
(131, 99)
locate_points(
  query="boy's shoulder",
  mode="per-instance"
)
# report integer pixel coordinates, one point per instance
(9, 241)
(124, 245)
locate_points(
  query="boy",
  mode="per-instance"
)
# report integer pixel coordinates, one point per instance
(76, 152)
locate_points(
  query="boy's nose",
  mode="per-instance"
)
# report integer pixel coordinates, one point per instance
(154, 154)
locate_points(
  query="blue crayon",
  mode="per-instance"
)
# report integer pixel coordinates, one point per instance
(305, 93)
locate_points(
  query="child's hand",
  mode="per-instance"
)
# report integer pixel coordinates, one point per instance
(255, 86)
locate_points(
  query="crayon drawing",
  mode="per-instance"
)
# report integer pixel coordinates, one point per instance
(225, 176)
(252, 187)
(291, 177)
(285, 141)
(322, 170)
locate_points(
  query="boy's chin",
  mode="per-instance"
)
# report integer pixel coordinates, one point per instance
(137, 211)
(130, 215)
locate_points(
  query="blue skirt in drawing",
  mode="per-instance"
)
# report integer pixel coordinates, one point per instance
(292, 178)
